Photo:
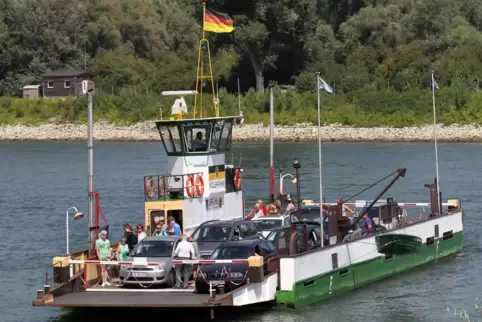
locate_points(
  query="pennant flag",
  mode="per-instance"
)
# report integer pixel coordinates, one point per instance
(434, 83)
(217, 22)
(324, 85)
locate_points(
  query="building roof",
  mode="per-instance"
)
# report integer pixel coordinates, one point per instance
(67, 74)
(31, 86)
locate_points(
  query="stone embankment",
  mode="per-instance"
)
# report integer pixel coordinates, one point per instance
(146, 131)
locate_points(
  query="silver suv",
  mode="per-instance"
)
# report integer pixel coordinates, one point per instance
(151, 249)
(265, 224)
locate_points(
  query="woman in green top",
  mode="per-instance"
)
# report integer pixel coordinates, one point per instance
(122, 250)
(102, 247)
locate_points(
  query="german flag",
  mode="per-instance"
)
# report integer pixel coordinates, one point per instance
(217, 22)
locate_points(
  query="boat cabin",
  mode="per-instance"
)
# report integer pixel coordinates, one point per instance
(198, 183)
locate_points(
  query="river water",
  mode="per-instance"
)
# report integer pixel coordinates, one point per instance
(40, 180)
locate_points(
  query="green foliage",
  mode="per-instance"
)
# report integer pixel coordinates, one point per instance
(377, 54)
(367, 109)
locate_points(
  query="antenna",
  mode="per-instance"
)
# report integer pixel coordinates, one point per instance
(435, 142)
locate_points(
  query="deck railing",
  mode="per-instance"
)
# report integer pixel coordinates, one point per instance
(169, 187)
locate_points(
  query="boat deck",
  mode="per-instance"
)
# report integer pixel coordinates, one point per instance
(113, 296)
(98, 296)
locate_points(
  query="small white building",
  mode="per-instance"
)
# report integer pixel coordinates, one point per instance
(31, 92)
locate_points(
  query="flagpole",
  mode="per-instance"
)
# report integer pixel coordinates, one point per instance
(204, 19)
(435, 141)
(319, 159)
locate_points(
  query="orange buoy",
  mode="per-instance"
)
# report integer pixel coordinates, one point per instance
(237, 179)
(149, 187)
(199, 183)
(190, 186)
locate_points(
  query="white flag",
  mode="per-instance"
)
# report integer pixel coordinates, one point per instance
(324, 85)
(434, 83)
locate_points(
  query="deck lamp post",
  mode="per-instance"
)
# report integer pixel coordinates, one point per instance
(293, 181)
(78, 215)
(297, 166)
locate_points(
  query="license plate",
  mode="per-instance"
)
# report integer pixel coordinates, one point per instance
(140, 274)
(216, 283)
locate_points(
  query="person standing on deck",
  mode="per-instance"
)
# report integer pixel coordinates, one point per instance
(131, 238)
(256, 212)
(347, 211)
(184, 250)
(197, 255)
(173, 228)
(140, 233)
(102, 248)
(122, 250)
(160, 231)
(278, 206)
(290, 205)
(367, 227)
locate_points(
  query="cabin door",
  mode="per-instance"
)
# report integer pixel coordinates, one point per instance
(177, 215)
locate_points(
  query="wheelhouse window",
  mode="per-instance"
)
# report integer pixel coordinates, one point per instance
(170, 138)
(197, 137)
(222, 134)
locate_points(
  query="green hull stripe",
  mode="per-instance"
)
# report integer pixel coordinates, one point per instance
(321, 287)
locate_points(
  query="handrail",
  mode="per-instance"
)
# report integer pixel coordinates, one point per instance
(167, 187)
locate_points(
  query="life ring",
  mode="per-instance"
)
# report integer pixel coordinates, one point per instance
(161, 187)
(149, 187)
(190, 186)
(237, 179)
(199, 183)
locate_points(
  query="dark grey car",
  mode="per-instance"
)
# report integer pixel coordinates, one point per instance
(211, 234)
(151, 249)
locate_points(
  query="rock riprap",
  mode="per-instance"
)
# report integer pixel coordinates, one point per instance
(146, 131)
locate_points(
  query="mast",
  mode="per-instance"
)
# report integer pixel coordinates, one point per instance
(90, 173)
(435, 143)
(202, 75)
(319, 159)
(271, 143)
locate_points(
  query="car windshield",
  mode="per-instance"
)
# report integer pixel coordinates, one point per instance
(153, 248)
(212, 234)
(311, 215)
(272, 236)
(267, 224)
(233, 252)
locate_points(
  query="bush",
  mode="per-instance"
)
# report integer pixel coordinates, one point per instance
(362, 108)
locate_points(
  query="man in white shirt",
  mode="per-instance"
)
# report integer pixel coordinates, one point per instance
(184, 250)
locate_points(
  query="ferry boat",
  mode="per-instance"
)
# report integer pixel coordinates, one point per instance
(200, 186)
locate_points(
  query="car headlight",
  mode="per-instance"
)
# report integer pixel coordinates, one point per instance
(162, 266)
(236, 275)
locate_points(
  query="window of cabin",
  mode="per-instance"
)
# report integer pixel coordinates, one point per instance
(222, 134)
(170, 138)
(197, 137)
(50, 84)
(66, 84)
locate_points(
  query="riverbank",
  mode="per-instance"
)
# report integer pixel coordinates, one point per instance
(146, 131)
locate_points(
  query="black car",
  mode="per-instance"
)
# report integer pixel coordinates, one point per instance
(310, 215)
(233, 275)
(281, 237)
(211, 234)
